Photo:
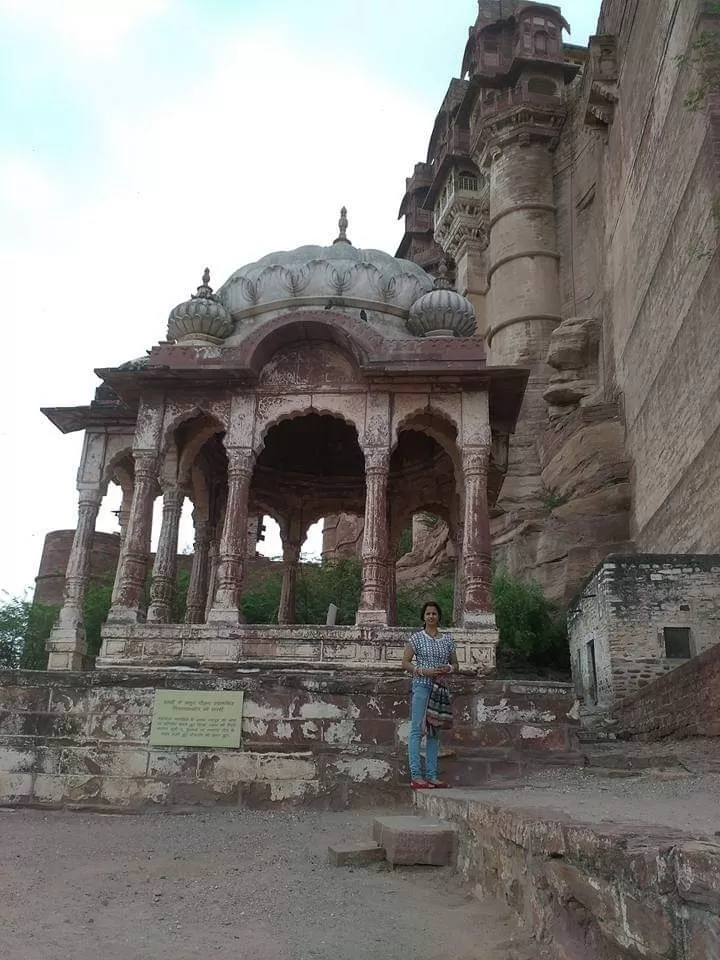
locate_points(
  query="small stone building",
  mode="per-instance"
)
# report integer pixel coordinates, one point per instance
(638, 617)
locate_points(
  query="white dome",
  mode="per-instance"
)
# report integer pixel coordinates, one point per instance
(201, 319)
(442, 313)
(317, 275)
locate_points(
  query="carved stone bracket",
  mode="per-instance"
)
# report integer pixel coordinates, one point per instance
(601, 82)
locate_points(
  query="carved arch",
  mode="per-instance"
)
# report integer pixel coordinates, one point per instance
(197, 411)
(353, 336)
(328, 406)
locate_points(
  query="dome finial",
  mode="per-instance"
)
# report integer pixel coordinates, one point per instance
(442, 281)
(343, 224)
(204, 290)
(202, 319)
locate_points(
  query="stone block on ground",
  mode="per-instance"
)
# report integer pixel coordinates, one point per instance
(412, 840)
(354, 854)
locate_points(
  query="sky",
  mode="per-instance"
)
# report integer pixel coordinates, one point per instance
(143, 140)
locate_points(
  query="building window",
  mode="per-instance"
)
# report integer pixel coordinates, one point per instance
(677, 643)
(468, 181)
(541, 42)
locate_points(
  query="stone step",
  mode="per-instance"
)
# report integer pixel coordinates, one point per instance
(411, 840)
(355, 854)
(626, 760)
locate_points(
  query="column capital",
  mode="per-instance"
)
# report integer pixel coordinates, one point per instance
(377, 459)
(203, 533)
(241, 461)
(89, 497)
(147, 464)
(173, 496)
(476, 458)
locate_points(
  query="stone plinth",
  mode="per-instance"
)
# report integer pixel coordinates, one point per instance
(323, 737)
(147, 645)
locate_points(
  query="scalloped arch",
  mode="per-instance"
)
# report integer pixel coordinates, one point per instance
(297, 413)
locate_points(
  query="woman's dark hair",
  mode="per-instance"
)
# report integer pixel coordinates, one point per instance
(430, 603)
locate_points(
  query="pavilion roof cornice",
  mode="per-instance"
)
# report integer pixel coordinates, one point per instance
(72, 419)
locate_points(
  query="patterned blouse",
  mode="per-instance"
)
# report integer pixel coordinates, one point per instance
(430, 653)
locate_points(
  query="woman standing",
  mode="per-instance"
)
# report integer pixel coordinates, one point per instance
(435, 657)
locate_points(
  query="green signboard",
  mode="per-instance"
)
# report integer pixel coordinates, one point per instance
(197, 718)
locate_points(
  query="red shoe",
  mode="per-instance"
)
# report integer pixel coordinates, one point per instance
(438, 785)
(419, 785)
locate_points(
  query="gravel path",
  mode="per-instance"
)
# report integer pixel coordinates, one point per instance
(227, 884)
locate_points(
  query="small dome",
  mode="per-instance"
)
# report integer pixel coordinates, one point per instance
(442, 312)
(201, 319)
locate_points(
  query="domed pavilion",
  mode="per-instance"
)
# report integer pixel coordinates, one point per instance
(320, 381)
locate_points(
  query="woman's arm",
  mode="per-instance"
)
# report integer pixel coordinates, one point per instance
(407, 664)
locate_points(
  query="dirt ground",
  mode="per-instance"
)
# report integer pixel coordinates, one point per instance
(227, 884)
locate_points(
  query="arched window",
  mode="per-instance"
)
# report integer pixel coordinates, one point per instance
(468, 181)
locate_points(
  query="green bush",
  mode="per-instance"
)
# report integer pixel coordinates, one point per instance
(24, 627)
(261, 604)
(532, 629)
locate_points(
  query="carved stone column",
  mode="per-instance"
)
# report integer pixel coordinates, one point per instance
(374, 598)
(392, 591)
(458, 584)
(476, 550)
(123, 515)
(135, 552)
(212, 576)
(291, 563)
(162, 587)
(233, 545)
(198, 586)
(66, 646)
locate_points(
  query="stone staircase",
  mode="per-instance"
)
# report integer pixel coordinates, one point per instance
(405, 840)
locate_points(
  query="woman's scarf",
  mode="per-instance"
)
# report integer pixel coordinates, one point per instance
(438, 714)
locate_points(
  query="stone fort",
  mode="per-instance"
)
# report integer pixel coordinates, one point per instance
(537, 365)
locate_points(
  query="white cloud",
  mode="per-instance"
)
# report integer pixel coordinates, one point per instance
(258, 156)
(89, 28)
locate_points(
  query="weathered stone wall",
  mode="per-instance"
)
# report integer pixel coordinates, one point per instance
(685, 703)
(334, 738)
(662, 277)
(624, 609)
(600, 892)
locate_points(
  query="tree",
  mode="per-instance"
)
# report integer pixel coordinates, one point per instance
(24, 627)
(532, 629)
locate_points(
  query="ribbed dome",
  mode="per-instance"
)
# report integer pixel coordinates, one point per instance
(201, 319)
(340, 275)
(442, 313)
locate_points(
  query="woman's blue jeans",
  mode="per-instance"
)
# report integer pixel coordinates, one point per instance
(420, 696)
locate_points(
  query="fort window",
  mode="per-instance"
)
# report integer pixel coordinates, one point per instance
(468, 181)
(677, 643)
(541, 44)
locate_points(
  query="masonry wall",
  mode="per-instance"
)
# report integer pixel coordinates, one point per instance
(590, 891)
(661, 284)
(332, 738)
(626, 606)
(686, 703)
